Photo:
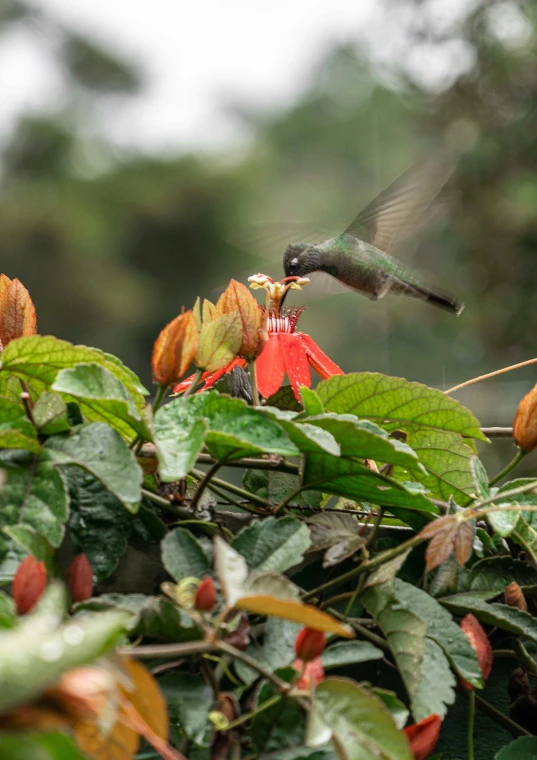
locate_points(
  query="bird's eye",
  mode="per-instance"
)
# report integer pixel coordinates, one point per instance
(294, 263)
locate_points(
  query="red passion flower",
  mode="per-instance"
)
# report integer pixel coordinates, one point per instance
(287, 351)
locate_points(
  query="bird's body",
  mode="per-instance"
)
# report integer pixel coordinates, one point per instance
(358, 257)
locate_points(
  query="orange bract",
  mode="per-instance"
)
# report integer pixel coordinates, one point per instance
(525, 422)
(423, 736)
(237, 299)
(174, 349)
(17, 311)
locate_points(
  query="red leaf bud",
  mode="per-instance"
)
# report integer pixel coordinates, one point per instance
(29, 584)
(309, 644)
(205, 598)
(80, 579)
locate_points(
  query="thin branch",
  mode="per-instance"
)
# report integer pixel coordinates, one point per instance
(497, 432)
(278, 464)
(490, 374)
(204, 482)
(496, 715)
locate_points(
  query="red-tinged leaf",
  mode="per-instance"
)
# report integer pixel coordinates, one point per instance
(440, 548)
(514, 597)
(17, 312)
(312, 673)
(464, 539)
(423, 736)
(321, 363)
(80, 579)
(296, 361)
(219, 342)
(237, 299)
(29, 584)
(479, 641)
(437, 526)
(174, 349)
(270, 367)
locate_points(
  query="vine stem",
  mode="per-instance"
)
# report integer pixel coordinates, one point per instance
(490, 374)
(289, 498)
(261, 708)
(511, 466)
(195, 380)
(237, 490)
(471, 720)
(253, 383)
(497, 716)
(159, 397)
(365, 567)
(203, 483)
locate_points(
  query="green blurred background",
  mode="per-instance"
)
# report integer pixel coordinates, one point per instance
(112, 236)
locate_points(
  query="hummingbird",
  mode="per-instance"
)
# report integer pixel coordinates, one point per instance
(360, 257)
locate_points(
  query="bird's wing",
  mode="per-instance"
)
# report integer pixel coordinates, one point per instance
(396, 211)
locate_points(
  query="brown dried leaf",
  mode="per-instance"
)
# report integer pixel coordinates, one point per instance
(440, 548)
(237, 299)
(174, 349)
(17, 311)
(464, 539)
(525, 422)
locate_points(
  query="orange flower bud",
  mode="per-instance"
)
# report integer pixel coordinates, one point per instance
(205, 597)
(80, 579)
(311, 675)
(480, 643)
(17, 312)
(174, 349)
(525, 422)
(309, 644)
(514, 597)
(29, 584)
(423, 736)
(237, 299)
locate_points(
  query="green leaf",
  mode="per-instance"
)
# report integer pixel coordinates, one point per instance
(480, 478)
(178, 442)
(307, 438)
(99, 524)
(277, 649)
(311, 401)
(234, 430)
(362, 727)
(189, 701)
(337, 533)
(38, 746)
(183, 555)
(36, 496)
(284, 398)
(50, 414)
(35, 653)
(31, 541)
(404, 631)
(494, 574)
(349, 652)
(105, 455)
(397, 404)
(523, 748)
(101, 396)
(275, 486)
(273, 544)
(442, 629)
(525, 522)
(353, 480)
(8, 616)
(39, 358)
(436, 689)
(278, 727)
(231, 570)
(16, 431)
(501, 615)
(150, 616)
(446, 458)
(398, 709)
(363, 439)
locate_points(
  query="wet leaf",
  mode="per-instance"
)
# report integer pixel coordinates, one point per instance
(349, 652)
(273, 544)
(183, 556)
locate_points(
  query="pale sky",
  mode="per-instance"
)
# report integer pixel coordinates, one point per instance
(196, 55)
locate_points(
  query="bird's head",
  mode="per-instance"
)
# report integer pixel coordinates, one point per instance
(300, 259)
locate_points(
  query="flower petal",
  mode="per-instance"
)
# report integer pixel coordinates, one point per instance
(423, 736)
(321, 363)
(270, 367)
(210, 378)
(296, 361)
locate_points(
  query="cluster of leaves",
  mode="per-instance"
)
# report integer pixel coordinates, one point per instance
(338, 494)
